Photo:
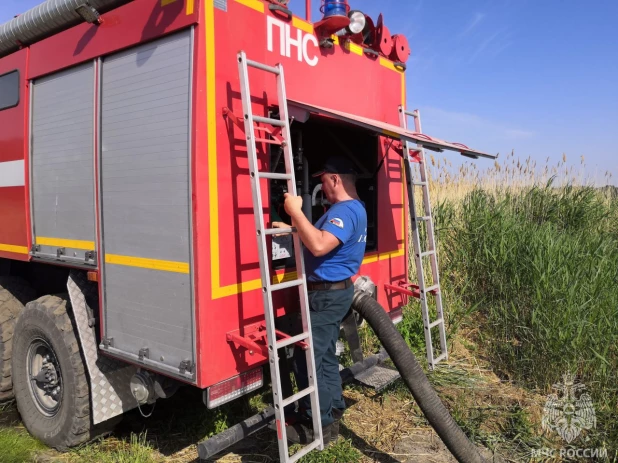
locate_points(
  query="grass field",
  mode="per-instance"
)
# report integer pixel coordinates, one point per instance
(529, 265)
(538, 262)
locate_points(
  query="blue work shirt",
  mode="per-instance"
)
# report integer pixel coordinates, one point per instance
(347, 220)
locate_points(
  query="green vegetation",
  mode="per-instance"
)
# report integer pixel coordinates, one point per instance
(136, 450)
(337, 452)
(540, 267)
(16, 446)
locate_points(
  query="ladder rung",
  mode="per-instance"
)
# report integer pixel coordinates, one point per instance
(422, 217)
(269, 141)
(440, 358)
(304, 451)
(427, 253)
(263, 67)
(436, 323)
(410, 113)
(269, 120)
(298, 395)
(293, 340)
(430, 288)
(279, 231)
(419, 183)
(286, 284)
(274, 176)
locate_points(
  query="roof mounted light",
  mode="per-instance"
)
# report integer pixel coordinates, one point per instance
(333, 8)
(356, 26)
(88, 13)
(357, 21)
(335, 16)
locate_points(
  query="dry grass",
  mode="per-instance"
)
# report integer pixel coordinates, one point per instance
(447, 183)
(469, 388)
(372, 428)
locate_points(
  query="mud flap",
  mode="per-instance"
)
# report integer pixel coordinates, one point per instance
(109, 378)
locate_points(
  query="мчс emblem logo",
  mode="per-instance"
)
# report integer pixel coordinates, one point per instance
(570, 411)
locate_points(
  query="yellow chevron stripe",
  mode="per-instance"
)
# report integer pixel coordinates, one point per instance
(389, 64)
(302, 25)
(354, 48)
(152, 264)
(64, 243)
(255, 4)
(13, 248)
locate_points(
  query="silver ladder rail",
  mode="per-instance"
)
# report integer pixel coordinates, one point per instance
(434, 289)
(268, 287)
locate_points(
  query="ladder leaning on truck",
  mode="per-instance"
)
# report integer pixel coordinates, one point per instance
(136, 164)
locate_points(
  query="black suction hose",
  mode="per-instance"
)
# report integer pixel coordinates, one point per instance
(414, 377)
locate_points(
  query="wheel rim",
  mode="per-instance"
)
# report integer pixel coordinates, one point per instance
(44, 377)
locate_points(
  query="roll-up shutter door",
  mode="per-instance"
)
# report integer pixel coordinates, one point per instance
(146, 207)
(62, 171)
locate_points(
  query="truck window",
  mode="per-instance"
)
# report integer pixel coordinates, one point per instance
(9, 90)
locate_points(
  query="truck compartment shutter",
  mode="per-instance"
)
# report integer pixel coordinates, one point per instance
(62, 173)
(388, 130)
(146, 207)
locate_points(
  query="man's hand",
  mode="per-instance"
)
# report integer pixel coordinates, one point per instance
(293, 205)
(281, 225)
(319, 242)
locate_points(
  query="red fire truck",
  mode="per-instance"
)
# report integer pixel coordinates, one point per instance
(128, 254)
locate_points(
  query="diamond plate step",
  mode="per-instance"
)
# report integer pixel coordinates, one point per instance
(378, 377)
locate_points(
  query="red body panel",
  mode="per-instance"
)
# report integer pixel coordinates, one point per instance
(227, 277)
(228, 281)
(136, 22)
(14, 237)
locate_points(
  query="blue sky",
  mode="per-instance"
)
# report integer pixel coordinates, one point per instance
(539, 77)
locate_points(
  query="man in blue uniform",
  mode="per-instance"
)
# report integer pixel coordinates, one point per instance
(334, 250)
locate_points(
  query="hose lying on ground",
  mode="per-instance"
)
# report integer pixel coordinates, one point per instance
(414, 377)
(234, 434)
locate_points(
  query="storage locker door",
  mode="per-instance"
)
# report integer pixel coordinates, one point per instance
(62, 175)
(146, 208)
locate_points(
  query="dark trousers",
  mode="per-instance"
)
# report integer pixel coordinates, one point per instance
(328, 308)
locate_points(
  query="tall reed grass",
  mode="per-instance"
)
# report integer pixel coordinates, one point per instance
(536, 254)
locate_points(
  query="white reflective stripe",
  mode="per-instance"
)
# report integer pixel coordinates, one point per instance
(12, 173)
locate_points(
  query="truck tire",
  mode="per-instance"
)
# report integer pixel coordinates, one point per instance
(49, 375)
(14, 293)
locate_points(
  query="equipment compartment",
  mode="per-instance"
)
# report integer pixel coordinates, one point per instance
(314, 141)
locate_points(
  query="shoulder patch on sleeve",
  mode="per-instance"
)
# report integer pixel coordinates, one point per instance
(337, 222)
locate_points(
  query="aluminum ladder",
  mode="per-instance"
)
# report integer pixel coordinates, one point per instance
(433, 290)
(268, 287)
